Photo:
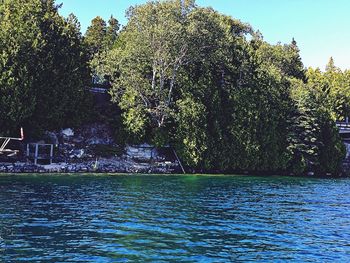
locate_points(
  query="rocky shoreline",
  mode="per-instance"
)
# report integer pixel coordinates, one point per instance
(101, 166)
(92, 149)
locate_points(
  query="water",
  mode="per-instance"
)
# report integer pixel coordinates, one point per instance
(173, 219)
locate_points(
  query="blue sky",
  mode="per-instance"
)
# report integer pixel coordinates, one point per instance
(321, 27)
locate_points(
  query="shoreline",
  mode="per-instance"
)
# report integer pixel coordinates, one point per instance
(29, 169)
(106, 165)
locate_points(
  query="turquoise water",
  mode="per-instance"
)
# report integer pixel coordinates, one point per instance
(173, 219)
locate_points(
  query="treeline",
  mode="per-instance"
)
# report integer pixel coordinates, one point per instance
(181, 75)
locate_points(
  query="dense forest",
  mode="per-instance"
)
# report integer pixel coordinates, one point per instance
(180, 75)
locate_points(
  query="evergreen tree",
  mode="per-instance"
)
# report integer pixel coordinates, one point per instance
(95, 35)
(101, 36)
(333, 87)
(112, 32)
(315, 143)
(43, 67)
(99, 39)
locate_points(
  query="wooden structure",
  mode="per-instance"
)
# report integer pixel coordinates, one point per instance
(4, 141)
(344, 130)
(37, 151)
(178, 159)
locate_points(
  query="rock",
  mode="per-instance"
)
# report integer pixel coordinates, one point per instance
(67, 132)
(78, 139)
(77, 153)
(97, 134)
(94, 141)
(142, 153)
(347, 147)
(51, 137)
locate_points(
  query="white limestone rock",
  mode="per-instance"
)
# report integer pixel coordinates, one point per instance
(67, 132)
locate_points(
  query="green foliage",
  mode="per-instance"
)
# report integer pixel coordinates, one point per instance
(101, 36)
(111, 32)
(94, 40)
(191, 131)
(43, 68)
(314, 139)
(260, 122)
(203, 82)
(160, 137)
(147, 57)
(95, 35)
(333, 88)
(190, 77)
(283, 58)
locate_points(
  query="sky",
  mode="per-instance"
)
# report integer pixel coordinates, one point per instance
(320, 27)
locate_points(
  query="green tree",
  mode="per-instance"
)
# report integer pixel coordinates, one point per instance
(148, 57)
(333, 86)
(315, 143)
(43, 67)
(99, 39)
(284, 58)
(227, 102)
(218, 51)
(101, 36)
(112, 32)
(192, 131)
(95, 35)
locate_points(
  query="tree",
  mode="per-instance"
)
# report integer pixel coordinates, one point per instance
(112, 32)
(315, 143)
(225, 101)
(100, 36)
(192, 131)
(333, 86)
(43, 67)
(148, 57)
(99, 39)
(285, 58)
(95, 35)
(330, 67)
(217, 54)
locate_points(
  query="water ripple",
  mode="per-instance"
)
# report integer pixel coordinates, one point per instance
(173, 219)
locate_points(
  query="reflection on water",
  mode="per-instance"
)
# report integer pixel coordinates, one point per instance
(173, 219)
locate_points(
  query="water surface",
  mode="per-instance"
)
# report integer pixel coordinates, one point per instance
(86, 218)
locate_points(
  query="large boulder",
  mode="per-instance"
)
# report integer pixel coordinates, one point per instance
(77, 153)
(66, 133)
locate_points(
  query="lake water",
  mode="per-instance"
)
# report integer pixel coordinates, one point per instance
(86, 218)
